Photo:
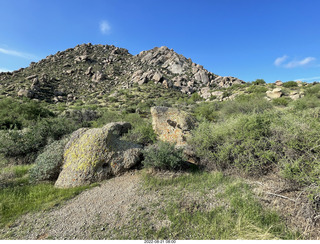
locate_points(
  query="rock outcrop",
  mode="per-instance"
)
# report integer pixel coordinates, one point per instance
(89, 69)
(96, 154)
(275, 93)
(172, 125)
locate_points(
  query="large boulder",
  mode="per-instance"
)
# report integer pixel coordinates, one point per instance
(275, 93)
(172, 125)
(96, 154)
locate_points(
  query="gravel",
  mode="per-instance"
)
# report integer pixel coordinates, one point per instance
(76, 219)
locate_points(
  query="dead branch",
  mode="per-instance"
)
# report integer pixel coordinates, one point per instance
(277, 195)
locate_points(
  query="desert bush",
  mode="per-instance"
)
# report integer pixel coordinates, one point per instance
(195, 97)
(245, 104)
(209, 111)
(306, 102)
(27, 143)
(259, 82)
(296, 141)
(20, 114)
(163, 155)
(290, 84)
(48, 163)
(106, 117)
(141, 132)
(281, 101)
(226, 93)
(256, 143)
(238, 142)
(257, 89)
(313, 90)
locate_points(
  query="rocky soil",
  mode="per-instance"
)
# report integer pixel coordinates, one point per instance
(84, 215)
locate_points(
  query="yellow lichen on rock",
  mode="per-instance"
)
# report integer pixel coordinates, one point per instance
(97, 154)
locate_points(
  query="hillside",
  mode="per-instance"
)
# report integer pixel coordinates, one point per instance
(199, 156)
(94, 70)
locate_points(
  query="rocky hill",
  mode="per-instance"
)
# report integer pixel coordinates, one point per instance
(97, 69)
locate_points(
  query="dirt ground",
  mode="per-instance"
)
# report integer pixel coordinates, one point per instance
(96, 212)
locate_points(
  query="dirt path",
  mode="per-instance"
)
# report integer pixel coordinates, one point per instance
(99, 212)
(77, 217)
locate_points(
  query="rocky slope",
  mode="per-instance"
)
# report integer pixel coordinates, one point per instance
(97, 69)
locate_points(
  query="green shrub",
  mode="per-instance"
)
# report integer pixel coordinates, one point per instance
(106, 117)
(226, 94)
(20, 114)
(242, 143)
(212, 97)
(300, 171)
(245, 104)
(306, 102)
(142, 133)
(257, 89)
(209, 111)
(296, 141)
(163, 155)
(195, 97)
(290, 84)
(259, 82)
(17, 143)
(314, 90)
(281, 101)
(27, 143)
(48, 163)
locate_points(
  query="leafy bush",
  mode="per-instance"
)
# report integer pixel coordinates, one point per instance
(242, 143)
(281, 101)
(27, 143)
(195, 97)
(208, 111)
(143, 134)
(16, 114)
(257, 89)
(48, 163)
(163, 155)
(306, 102)
(296, 141)
(226, 93)
(314, 90)
(290, 84)
(245, 104)
(257, 143)
(107, 116)
(259, 82)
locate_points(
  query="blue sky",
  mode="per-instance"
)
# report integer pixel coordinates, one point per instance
(248, 39)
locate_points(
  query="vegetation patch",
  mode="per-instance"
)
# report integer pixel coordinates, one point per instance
(201, 206)
(18, 196)
(163, 155)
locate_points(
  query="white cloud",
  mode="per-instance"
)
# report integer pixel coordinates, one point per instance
(309, 79)
(105, 27)
(4, 70)
(280, 60)
(17, 54)
(300, 63)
